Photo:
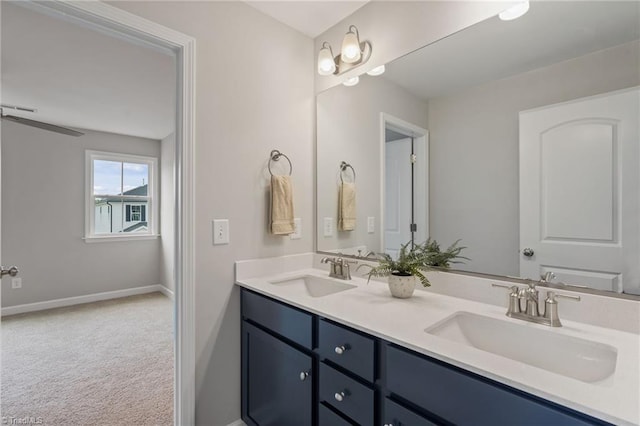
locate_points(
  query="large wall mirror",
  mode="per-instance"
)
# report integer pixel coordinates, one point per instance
(519, 138)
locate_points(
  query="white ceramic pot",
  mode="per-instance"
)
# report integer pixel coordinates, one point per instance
(402, 286)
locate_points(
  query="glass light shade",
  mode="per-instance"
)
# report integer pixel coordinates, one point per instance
(514, 12)
(326, 63)
(377, 71)
(350, 52)
(351, 81)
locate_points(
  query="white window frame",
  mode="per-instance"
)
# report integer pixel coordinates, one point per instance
(153, 200)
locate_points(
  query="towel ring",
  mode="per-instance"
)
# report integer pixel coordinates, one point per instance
(275, 156)
(344, 166)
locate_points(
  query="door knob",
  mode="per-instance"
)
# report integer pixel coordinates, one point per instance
(12, 271)
(528, 252)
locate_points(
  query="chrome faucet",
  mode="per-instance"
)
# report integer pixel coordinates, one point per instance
(531, 311)
(340, 267)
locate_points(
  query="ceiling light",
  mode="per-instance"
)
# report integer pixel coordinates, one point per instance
(376, 71)
(351, 81)
(350, 52)
(514, 12)
(326, 63)
(353, 54)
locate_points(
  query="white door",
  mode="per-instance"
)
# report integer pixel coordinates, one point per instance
(579, 191)
(397, 203)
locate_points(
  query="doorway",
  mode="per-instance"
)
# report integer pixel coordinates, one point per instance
(406, 170)
(116, 22)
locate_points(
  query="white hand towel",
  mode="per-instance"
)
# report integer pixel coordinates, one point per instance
(281, 205)
(347, 207)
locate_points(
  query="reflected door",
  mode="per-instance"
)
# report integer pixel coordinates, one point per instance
(579, 191)
(397, 203)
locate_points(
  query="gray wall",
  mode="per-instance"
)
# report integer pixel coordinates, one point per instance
(349, 130)
(167, 209)
(474, 151)
(43, 216)
(254, 94)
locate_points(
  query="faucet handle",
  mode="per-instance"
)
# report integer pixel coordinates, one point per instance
(551, 297)
(514, 303)
(513, 288)
(551, 307)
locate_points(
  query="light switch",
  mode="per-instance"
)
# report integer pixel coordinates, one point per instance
(371, 224)
(297, 226)
(16, 282)
(328, 227)
(220, 231)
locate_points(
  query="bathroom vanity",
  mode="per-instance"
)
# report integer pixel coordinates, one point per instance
(320, 351)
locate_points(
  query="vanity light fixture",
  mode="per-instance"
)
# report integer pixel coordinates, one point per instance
(353, 54)
(377, 71)
(514, 12)
(351, 81)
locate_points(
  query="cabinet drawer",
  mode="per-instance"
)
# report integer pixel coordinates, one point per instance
(326, 417)
(397, 415)
(356, 351)
(465, 399)
(284, 320)
(357, 399)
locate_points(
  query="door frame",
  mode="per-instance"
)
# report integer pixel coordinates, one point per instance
(117, 22)
(411, 130)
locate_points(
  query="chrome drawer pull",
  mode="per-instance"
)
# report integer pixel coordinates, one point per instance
(341, 349)
(303, 376)
(339, 396)
(388, 424)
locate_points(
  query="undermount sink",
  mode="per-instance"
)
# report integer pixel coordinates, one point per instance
(314, 286)
(566, 355)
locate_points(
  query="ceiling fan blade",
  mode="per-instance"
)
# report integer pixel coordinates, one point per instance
(41, 125)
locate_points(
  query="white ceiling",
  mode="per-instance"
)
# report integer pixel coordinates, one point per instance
(311, 18)
(77, 77)
(549, 33)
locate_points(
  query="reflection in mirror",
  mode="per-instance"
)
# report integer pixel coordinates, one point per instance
(531, 145)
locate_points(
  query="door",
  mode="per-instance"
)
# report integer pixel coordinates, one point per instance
(277, 381)
(579, 190)
(397, 203)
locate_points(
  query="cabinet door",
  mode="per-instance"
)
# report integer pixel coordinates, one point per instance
(276, 380)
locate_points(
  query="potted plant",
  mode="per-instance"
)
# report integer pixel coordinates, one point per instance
(403, 272)
(413, 260)
(436, 258)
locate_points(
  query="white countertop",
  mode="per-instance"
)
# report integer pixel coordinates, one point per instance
(371, 309)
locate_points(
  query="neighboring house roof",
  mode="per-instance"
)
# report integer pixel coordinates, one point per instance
(141, 190)
(135, 227)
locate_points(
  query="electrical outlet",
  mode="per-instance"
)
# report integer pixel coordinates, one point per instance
(297, 226)
(220, 231)
(16, 282)
(371, 224)
(328, 226)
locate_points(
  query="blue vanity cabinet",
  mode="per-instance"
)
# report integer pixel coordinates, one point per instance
(459, 397)
(277, 370)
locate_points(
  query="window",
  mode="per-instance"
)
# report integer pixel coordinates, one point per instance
(121, 196)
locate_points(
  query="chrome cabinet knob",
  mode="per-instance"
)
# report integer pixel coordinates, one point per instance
(303, 376)
(339, 396)
(388, 424)
(341, 349)
(13, 271)
(528, 252)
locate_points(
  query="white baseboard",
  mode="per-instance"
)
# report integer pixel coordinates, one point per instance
(166, 291)
(77, 300)
(238, 422)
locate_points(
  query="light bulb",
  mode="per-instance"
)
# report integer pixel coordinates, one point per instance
(514, 12)
(351, 81)
(326, 63)
(350, 52)
(377, 71)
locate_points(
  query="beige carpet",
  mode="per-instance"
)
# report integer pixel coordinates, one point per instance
(103, 363)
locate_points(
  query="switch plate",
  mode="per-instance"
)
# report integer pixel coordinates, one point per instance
(328, 227)
(297, 226)
(16, 282)
(371, 224)
(220, 231)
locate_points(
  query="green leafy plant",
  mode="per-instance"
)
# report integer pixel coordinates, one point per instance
(415, 260)
(409, 262)
(433, 256)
